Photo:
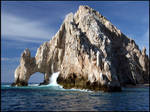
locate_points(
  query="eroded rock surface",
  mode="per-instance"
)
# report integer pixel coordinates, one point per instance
(90, 53)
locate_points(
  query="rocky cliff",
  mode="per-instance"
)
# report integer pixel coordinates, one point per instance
(90, 53)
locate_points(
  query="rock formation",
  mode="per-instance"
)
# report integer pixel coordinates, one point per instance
(90, 53)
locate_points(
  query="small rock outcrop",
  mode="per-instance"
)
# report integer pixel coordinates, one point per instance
(90, 53)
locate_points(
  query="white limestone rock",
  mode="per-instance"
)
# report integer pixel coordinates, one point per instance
(85, 46)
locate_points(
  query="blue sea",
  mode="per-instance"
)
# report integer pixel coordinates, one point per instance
(55, 98)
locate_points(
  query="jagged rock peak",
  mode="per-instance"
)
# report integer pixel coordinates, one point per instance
(84, 9)
(90, 53)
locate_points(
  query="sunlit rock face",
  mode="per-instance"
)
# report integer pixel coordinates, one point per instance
(90, 53)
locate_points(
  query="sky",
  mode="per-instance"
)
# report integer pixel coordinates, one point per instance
(27, 24)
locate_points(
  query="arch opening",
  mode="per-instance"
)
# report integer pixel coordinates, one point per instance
(36, 78)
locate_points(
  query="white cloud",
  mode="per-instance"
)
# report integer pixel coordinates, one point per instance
(5, 59)
(17, 28)
(10, 60)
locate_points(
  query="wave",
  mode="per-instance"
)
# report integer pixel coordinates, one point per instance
(53, 79)
(33, 84)
(53, 85)
(84, 90)
(46, 87)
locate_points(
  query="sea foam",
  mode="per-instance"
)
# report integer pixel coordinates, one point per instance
(53, 79)
(53, 85)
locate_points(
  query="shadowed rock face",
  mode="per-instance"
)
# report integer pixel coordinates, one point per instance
(90, 53)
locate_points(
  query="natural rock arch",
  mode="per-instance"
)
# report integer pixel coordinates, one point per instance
(89, 52)
(30, 65)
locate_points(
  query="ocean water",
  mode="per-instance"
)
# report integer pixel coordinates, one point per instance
(53, 97)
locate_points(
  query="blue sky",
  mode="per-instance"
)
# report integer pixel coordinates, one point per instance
(29, 24)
